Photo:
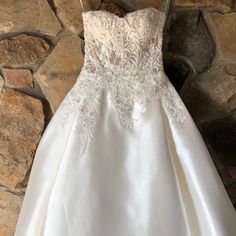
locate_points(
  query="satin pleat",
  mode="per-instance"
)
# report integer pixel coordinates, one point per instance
(155, 179)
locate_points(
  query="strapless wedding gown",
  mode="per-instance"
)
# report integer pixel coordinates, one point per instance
(122, 155)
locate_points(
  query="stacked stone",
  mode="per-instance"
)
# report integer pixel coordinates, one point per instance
(41, 54)
(39, 62)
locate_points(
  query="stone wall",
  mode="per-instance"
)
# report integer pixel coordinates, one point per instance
(200, 58)
(41, 54)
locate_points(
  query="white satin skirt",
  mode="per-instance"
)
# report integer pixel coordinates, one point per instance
(156, 179)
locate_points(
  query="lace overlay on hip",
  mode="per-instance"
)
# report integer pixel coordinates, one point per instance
(123, 56)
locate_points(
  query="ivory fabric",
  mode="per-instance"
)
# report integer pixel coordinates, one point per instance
(121, 155)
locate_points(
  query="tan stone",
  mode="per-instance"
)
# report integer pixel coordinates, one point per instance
(220, 88)
(90, 4)
(117, 10)
(230, 69)
(61, 69)
(28, 15)
(21, 126)
(225, 26)
(23, 49)
(10, 205)
(204, 3)
(139, 4)
(2, 84)
(70, 13)
(18, 78)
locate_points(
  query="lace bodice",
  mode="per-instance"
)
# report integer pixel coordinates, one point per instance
(123, 56)
(129, 45)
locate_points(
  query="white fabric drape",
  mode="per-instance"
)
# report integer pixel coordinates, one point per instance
(151, 177)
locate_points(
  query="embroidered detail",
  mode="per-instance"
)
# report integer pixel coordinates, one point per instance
(171, 101)
(124, 57)
(85, 99)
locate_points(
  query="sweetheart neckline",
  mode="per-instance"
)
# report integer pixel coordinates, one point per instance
(127, 14)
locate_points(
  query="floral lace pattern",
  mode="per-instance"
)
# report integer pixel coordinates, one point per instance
(124, 57)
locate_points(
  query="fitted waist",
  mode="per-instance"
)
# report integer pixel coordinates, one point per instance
(125, 83)
(121, 73)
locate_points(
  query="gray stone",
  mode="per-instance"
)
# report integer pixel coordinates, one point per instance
(220, 88)
(220, 135)
(187, 36)
(231, 189)
(199, 103)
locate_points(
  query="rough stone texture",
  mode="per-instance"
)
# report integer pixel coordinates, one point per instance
(119, 11)
(61, 69)
(18, 78)
(177, 71)
(223, 172)
(2, 84)
(220, 134)
(225, 27)
(232, 172)
(70, 14)
(21, 126)
(220, 88)
(204, 3)
(230, 69)
(138, 4)
(187, 36)
(27, 15)
(231, 189)
(10, 205)
(91, 4)
(200, 106)
(23, 49)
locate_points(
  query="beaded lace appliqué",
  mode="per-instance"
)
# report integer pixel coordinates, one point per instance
(122, 56)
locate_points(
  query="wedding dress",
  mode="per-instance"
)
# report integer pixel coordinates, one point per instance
(122, 155)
